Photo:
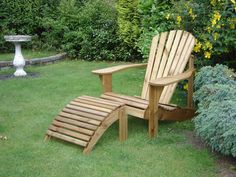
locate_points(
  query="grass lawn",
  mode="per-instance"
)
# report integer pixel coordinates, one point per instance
(28, 105)
(27, 54)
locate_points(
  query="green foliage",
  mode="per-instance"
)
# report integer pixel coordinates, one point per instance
(88, 31)
(213, 24)
(83, 28)
(98, 28)
(214, 92)
(23, 17)
(220, 74)
(128, 21)
(216, 119)
(216, 125)
(153, 21)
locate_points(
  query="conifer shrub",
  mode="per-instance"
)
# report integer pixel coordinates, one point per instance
(215, 122)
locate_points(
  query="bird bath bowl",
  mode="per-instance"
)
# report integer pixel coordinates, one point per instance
(19, 61)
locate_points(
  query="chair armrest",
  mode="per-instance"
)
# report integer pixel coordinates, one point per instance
(114, 69)
(172, 79)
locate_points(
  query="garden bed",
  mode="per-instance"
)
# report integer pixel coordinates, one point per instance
(33, 61)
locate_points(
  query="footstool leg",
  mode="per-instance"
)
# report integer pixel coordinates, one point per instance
(123, 124)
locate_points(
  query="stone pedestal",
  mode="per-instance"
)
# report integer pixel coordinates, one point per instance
(19, 61)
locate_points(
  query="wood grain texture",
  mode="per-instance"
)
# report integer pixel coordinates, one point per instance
(115, 69)
(84, 120)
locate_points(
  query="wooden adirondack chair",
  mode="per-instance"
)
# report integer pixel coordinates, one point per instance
(169, 54)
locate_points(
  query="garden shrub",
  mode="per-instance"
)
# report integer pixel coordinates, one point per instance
(220, 74)
(128, 21)
(99, 29)
(24, 17)
(215, 122)
(214, 93)
(88, 31)
(216, 125)
(154, 14)
(213, 24)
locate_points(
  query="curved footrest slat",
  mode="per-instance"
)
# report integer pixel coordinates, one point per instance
(84, 120)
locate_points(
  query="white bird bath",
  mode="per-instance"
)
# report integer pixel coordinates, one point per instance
(19, 61)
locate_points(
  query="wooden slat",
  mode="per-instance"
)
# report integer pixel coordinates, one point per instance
(67, 138)
(101, 129)
(174, 63)
(166, 53)
(178, 53)
(91, 111)
(159, 53)
(181, 65)
(72, 127)
(126, 97)
(84, 114)
(135, 112)
(97, 108)
(77, 123)
(70, 133)
(95, 103)
(160, 49)
(173, 52)
(150, 65)
(171, 59)
(80, 118)
(127, 102)
(102, 101)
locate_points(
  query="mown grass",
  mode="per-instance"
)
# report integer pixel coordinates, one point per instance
(27, 54)
(28, 105)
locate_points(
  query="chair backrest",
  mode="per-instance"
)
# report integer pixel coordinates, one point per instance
(169, 54)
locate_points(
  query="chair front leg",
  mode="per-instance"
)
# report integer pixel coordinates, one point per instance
(106, 80)
(154, 97)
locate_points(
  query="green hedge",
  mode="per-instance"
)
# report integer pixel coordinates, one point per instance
(120, 29)
(85, 29)
(24, 17)
(216, 98)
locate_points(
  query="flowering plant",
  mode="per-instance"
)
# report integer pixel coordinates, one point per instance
(212, 23)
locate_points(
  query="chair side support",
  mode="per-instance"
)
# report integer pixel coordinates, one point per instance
(154, 97)
(190, 83)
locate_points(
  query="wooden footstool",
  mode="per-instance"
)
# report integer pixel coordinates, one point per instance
(84, 120)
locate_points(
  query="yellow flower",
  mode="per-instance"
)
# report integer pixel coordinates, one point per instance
(197, 47)
(186, 86)
(190, 11)
(207, 55)
(217, 16)
(218, 26)
(216, 36)
(168, 16)
(208, 29)
(179, 19)
(208, 45)
(213, 22)
(213, 2)
(233, 1)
